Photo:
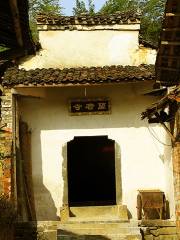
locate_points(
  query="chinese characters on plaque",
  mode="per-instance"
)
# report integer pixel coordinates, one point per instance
(89, 106)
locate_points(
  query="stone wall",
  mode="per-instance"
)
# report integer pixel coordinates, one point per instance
(158, 230)
(47, 230)
(25, 231)
(6, 142)
(176, 169)
(36, 230)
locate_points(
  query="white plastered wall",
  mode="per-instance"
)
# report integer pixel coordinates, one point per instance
(144, 163)
(65, 49)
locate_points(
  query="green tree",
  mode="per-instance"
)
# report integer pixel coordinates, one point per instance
(91, 7)
(151, 10)
(44, 6)
(50, 7)
(80, 8)
(151, 21)
(112, 6)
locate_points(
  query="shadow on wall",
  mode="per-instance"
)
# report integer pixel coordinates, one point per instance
(33, 202)
(44, 203)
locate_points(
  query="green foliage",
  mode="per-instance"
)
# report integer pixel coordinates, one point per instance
(112, 6)
(3, 48)
(1, 156)
(151, 10)
(34, 31)
(80, 8)
(49, 7)
(152, 13)
(91, 7)
(44, 6)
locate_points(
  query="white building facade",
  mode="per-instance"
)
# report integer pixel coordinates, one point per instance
(91, 60)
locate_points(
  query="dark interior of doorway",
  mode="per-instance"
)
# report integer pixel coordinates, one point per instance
(91, 171)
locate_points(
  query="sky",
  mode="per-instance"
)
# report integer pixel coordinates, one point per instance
(69, 4)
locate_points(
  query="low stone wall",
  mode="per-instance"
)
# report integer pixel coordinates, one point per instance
(25, 231)
(45, 230)
(158, 230)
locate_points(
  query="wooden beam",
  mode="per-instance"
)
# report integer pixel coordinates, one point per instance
(170, 43)
(169, 68)
(176, 98)
(169, 56)
(174, 29)
(172, 14)
(16, 19)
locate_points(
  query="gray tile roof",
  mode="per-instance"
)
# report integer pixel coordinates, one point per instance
(88, 20)
(78, 76)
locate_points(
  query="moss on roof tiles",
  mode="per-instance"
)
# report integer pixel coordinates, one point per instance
(89, 20)
(94, 75)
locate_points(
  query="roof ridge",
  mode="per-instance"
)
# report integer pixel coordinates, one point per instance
(87, 19)
(89, 15)
(85, 67)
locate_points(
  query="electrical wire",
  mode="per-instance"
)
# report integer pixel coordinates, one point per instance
(151, 131)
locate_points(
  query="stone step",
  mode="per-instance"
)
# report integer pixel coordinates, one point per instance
(100, 237)
(91, 224)
(94, 220)
(95, 213)
(162, 237)
(101, 231)
(99, 228)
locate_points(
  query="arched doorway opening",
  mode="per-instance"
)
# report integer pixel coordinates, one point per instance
(91, 171)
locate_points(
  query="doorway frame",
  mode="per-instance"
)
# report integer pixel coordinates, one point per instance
(64, 210)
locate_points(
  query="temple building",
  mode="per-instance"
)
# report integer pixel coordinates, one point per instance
(77, 146)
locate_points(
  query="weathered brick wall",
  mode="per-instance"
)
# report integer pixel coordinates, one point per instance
(6, 142)
(176, 169)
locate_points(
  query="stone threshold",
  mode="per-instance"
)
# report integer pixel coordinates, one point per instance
(157, 223)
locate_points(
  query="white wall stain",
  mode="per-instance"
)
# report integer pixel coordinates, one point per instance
(65, 49)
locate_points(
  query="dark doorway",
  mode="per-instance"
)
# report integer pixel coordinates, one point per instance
(91, 171)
